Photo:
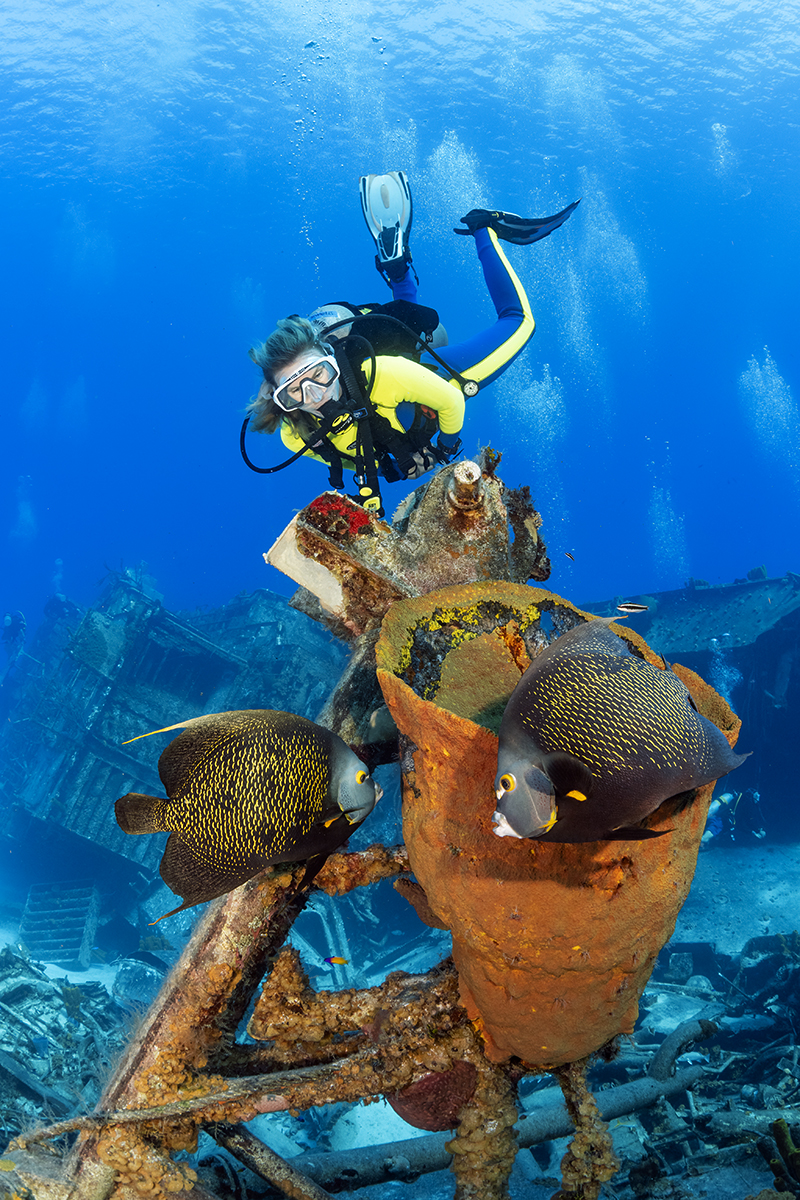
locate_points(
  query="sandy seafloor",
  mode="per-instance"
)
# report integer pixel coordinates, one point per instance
(737, 894)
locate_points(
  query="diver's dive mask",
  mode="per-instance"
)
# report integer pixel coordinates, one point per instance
(308, 384)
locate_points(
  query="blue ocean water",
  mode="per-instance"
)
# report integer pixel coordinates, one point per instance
(177, 176)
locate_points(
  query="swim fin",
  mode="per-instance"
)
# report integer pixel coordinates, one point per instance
(388, 210)
(522, 231)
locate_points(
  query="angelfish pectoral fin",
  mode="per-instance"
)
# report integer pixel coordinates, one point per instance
(568, 775)
(633, 834)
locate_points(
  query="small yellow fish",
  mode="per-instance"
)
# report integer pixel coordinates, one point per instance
(335, 958)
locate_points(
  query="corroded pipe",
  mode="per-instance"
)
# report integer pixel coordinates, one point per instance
(193, 1020)
(360, 1167)
(465, 490)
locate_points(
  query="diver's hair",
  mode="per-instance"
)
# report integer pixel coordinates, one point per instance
(292, 337)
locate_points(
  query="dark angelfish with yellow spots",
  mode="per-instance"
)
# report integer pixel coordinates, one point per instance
(246, 789)
(594, 739)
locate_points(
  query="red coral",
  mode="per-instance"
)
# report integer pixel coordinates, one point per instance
(338, 514)
(435, 1101)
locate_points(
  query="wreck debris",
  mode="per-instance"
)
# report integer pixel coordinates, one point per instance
(462, 525)
(262, 1161)
(484, 1146)
(358, 1168)
(170, 1076)
(419, 1030)
(590, 1159)
(352, 567)
(96, 677)
(783, 1155)
(202, 1002)
(184, 1072)
(343, 872)
(746, 609)
(465, 489)
(377, 1163)
(59, 922)
(56, 1041)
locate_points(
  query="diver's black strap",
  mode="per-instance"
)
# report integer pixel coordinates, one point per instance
(366, 472)
(325, 449)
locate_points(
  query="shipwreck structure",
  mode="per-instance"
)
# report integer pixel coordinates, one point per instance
(94, 678)
(551, 946)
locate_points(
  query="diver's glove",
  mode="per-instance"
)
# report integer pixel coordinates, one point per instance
(420, 462)
(389, 469)
(446, 449)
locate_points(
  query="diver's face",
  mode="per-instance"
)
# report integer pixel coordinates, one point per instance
(308, 383)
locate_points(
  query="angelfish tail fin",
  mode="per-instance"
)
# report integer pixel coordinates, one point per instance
(138, 813)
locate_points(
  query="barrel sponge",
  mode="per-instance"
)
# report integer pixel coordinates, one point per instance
(553, 943)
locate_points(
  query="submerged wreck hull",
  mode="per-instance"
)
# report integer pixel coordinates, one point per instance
(553, 943)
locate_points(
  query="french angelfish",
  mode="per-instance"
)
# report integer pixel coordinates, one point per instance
(246, 789)
(594, 739)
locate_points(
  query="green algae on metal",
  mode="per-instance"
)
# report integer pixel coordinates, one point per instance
(418, 633)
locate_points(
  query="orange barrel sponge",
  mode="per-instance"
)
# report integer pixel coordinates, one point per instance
(553, 942)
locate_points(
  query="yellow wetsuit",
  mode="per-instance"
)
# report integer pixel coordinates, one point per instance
(397, 380)
(400, 381)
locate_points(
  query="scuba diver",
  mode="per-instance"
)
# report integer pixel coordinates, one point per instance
(735, 817)
(364, 387)
(14, 627)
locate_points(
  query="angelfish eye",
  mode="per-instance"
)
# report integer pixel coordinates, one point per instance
(361, 777)
(508, 783)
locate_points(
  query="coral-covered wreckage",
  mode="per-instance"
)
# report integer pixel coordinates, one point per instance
(552, 944)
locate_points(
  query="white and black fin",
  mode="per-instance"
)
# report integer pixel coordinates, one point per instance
(522, 231)
(388, 210)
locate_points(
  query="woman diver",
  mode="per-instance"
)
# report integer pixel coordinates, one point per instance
(363, 387)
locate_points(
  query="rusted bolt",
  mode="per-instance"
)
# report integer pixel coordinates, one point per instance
(465, 490)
